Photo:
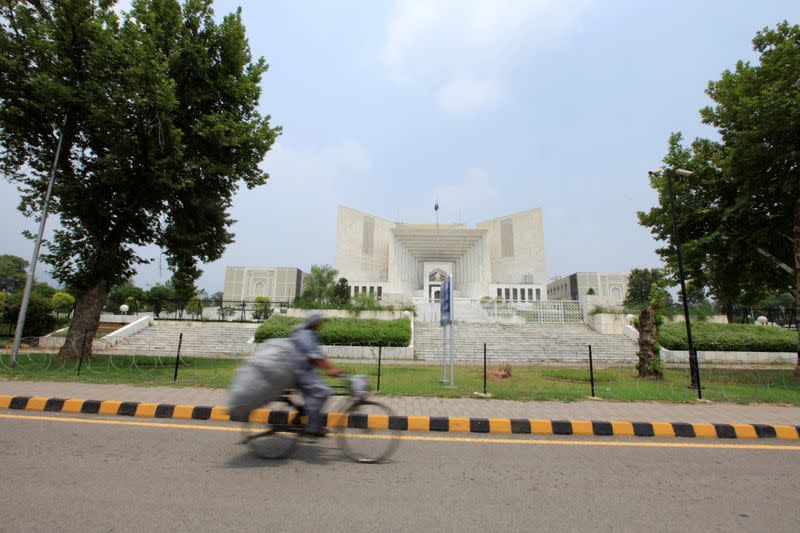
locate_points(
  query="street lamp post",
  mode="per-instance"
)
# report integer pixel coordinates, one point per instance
(694, 366)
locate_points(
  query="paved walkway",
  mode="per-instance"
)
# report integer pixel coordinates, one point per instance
(724, 413)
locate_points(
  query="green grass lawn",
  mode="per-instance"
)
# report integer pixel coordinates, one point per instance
(774, 385)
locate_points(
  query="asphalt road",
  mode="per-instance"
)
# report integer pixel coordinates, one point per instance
(73, 474)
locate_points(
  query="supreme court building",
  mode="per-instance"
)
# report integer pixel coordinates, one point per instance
(395, 262)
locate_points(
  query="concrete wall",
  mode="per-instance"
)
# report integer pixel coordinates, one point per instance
(669, 356)
(360, 256)
(526, 264)
(607, 324)
(134, 326)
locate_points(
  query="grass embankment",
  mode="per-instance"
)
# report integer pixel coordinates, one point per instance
(348, 331)
(527, 382)
(728, 338)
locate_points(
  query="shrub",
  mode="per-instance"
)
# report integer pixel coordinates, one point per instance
(365, 302)
(62, 301)
(354, 331)
(600, 310)
(39, 319)
(728, 338)
(262, 308)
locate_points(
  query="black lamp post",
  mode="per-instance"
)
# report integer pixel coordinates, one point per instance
(694, 367)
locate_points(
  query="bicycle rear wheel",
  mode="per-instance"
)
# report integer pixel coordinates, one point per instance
(367, 438)
(278, 438)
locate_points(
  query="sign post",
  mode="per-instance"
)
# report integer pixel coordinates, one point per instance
(446, 302)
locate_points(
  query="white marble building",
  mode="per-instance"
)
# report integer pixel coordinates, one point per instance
(503, 257)
(279, 284)
(608, 288)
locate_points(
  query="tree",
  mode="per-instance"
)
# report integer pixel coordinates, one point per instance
(121, 294)
(648, 296)
(162, 298)
(39, 318)
(158, 112)
(262, 308)
(640, 283)
(216, 299)
(340, 295)
(62, 302)
(194, 306)
(712, 260)
(757, 113)
(319, 284)
(12, 273)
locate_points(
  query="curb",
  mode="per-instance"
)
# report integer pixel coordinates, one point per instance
(518, 426)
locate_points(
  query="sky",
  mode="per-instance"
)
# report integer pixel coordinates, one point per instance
(491, 107)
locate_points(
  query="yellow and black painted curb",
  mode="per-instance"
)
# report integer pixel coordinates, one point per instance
(519, 426)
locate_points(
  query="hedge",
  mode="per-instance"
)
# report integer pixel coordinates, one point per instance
(354, 331)
(728, 338)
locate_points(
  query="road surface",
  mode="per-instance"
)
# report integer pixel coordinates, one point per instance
(90, 473)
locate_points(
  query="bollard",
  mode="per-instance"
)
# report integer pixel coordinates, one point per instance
(83, 346)
(484, 368)
(178, 357)
(380, 349)
(591, 369)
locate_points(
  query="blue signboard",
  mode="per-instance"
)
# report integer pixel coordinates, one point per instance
(446, 301)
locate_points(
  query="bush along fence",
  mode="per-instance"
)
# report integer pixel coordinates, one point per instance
(729, 338)
(343, 331)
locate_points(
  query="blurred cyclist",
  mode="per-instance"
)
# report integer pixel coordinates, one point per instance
(309, 355)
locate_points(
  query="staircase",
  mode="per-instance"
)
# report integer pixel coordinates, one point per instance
(213, 339)
(524, 343)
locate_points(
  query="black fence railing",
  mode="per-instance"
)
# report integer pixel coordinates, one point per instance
(200, 310)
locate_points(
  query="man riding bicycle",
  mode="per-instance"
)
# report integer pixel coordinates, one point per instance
(308, 355)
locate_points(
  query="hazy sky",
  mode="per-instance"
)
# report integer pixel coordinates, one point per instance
(492, 107)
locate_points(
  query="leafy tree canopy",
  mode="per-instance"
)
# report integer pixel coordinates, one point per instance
(13, 272)
(159, 114)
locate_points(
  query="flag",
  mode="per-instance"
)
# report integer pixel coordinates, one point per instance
(436, 207)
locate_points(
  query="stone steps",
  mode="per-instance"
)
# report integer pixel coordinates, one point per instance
(199, 338)
(567, 343)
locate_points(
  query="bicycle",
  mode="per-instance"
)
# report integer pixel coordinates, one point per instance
(358, 429)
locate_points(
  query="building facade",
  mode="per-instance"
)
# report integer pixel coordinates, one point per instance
(503, 257)
(609, 288)
(279, 284)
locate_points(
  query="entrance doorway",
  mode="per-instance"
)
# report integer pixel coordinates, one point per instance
(434, 292)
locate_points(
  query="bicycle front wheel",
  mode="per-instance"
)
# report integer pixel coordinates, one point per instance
(278, 438)
(367, 438)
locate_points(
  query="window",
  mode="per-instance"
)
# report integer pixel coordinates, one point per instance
(538, 294)
(371, 290)
(522, 294)
(380, 292)
(514, 292)
(499, 293)
(364, 289)
(530, 294)
(355, 291)
(508, 294)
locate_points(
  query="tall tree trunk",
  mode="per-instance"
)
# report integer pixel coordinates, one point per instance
(85, 321)
(647, 342)
(729, 312)
(797, 279)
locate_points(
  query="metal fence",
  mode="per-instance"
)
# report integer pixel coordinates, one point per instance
(203, 310)
(536, 312)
